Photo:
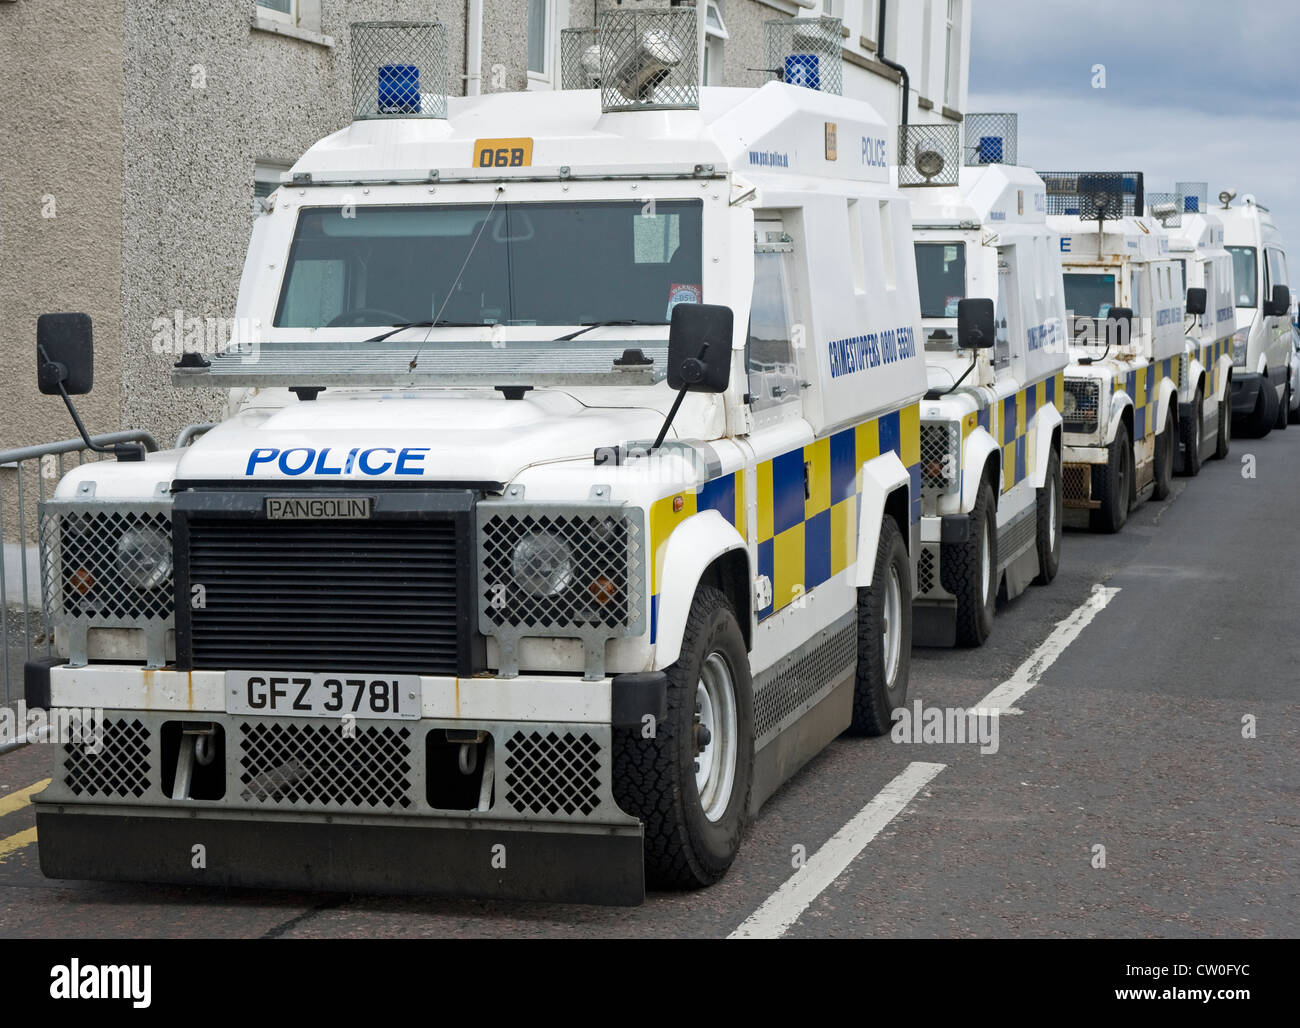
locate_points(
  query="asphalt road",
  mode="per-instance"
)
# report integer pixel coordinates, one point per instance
(1133, 739)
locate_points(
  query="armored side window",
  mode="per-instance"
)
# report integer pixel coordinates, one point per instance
(769, 349)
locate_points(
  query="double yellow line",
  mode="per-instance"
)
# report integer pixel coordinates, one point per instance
(9, 804)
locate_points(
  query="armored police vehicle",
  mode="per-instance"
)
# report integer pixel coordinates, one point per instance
(1196, 242)
(1124, 295)
(569, 506)
(990, 427)
(1261, 345)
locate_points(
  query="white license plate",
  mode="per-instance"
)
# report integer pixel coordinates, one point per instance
(285, 694)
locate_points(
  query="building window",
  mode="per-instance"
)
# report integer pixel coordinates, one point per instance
(951, 54)
(279, 10)
(539, 32)
(715, 34)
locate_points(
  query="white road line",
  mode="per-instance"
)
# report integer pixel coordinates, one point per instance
(1028, 675)
(785, 906)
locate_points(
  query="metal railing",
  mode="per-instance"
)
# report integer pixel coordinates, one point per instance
(19, 513)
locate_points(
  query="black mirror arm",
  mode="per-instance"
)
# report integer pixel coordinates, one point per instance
(677, 403)
(122, 451)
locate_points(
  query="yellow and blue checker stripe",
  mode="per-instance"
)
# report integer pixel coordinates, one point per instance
(1209, 356)
(1008, 421)
(1142, 386)
(805, 535)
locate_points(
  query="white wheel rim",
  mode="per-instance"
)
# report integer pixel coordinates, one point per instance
(986, 571)
(715, 764)
(892, 634)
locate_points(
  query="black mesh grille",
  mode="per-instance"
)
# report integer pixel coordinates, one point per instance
(1081, 406)
(1091, 194)
(113, 565)
(368, 768)
(552, 773)
(378, 595)
(116, 764)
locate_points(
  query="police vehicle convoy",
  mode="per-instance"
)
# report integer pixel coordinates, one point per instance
(569, 501)
(1261, 346)
(1205, 402)
(1126, 304)
(990, 426)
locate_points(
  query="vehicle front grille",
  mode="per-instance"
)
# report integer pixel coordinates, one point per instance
(1086, 394)
(552, 773)
(379, 595)
(116, 765)
(939, 442)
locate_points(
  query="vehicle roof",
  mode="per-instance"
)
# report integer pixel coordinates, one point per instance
(1201, 232)
(1136, 238)
(1248, 224)
(776, 130)
(993, 195)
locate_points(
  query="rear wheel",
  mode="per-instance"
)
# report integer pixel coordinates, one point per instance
(690, 782)
(1166, 450)
(884, 636)
(970, 571)
(1114, 488)
(1193, 430)
(1223, 441)
(1049, 522)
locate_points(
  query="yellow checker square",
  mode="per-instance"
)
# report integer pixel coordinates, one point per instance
(866, 442)
(818, 458)
(969, 425)
(1141, 400)
(787, 561)
(844, 535)
(1008, 466)
(742, 520)
(765, 502)
(909, 426)
(663, 520)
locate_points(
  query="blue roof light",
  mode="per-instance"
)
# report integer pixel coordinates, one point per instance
(399, 89)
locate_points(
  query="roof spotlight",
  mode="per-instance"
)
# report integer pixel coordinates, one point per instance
(929, 163)
(1226, 198)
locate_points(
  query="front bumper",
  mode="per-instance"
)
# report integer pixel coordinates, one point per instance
(1245, 391)
(373, 805)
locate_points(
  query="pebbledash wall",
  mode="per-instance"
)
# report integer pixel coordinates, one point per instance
(132, 130)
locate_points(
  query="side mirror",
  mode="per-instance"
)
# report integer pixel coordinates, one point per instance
(1280, 304)
(699, 348)
(65, 354)
(976, 325)
(1196, 301)
(1119, 326)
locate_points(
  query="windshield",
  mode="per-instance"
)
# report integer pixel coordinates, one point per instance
(531, 264)
(1089, 296)
(941, 275)
(1244, 262)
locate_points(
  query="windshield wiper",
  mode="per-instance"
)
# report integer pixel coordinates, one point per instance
(425, 324)
(590, 326)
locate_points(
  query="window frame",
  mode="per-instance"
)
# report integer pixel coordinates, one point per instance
(952, 51)
(790, 406)
(547, 78)
(289, 17)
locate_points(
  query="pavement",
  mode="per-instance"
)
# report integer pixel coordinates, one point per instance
(1145, 786)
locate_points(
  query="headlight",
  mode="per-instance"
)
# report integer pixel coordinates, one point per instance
(1240, 347)
(144, 558)
(940, 455)
(1081, 404)
(1069, 405)
(543, 564)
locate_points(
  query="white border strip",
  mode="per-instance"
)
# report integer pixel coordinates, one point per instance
(785, 906)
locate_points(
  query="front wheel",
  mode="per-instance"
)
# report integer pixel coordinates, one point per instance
(1113, 488)
(884, 636)
(689, 780)
(1223, 440)
(1049, 522)
(1259, 422)
(970, 571)
(1284, 408)
(1193, 430)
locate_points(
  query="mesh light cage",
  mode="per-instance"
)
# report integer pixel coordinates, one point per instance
(990, 139)
(807, 52)
(1093, 194)
(399, 70)
(580, 59)
(929, 155)
(649, 60)
(1166, 208)
(1193, 197)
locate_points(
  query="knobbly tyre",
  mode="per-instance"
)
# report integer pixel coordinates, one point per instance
(1205, 401)
(1125, 299)
(430, 612)
(1261, 345)
(990, 427)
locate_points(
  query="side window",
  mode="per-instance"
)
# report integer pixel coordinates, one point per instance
(1002, 340)
(1135, 293)
(769, 350)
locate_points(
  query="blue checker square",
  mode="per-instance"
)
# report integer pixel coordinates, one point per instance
(817, 550)
(891, 433)
(787, 491)
(719, 495)
(767, 568)
(844, 471)
(1031, 405)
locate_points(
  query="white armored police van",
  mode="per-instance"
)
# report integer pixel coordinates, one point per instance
(1125, 299)
(993, 310)
(1205, 403)
(569, 503)
(1261, 345)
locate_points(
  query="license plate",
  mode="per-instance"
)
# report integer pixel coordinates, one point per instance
(285, 694)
